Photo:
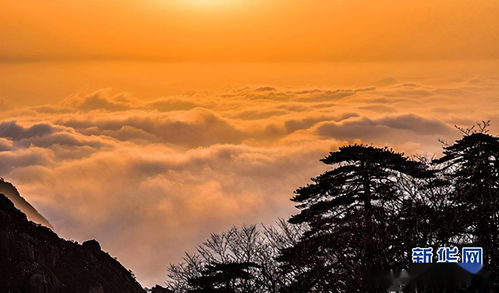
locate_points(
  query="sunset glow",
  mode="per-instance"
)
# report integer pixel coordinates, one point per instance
(150, 124)
(215, 3)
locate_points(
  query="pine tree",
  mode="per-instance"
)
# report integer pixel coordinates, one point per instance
(223, 278)
(472, 165)
(350, 211)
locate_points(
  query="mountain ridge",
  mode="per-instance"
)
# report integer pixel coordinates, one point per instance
(34, 259)
(11, 192)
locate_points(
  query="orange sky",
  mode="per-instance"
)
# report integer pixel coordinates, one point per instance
(156, 122)
(248, 30)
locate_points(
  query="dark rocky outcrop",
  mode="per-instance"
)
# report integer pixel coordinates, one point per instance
(159, 289)
(10, 191)
(33, 259)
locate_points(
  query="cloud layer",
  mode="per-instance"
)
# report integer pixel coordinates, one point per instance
(151, 178)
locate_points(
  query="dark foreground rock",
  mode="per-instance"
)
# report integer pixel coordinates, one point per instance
(33, 259)
(159, 289)
(10, 191)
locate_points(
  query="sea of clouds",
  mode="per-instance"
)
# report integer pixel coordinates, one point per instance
(150, 179)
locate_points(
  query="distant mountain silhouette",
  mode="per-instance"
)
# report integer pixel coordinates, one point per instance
(33, 259)
(10, 191)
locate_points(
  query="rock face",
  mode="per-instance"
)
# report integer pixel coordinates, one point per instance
(33, 259)
(159, 289)
(11, 193)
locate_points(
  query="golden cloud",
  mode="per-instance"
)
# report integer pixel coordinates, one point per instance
(160, 175)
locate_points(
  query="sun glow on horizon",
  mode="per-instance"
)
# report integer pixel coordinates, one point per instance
(210, 5)
(147, 125)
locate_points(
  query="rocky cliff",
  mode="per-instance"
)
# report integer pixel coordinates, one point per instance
(20, 203)
(33, 259)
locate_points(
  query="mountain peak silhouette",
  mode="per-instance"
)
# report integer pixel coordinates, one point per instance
(10, 191)
(33, 259)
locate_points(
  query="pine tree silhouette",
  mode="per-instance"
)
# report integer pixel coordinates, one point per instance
(472, 166)
(350, 211)
(223, 278)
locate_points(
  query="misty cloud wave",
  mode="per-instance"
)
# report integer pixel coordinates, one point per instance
(161, 174)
